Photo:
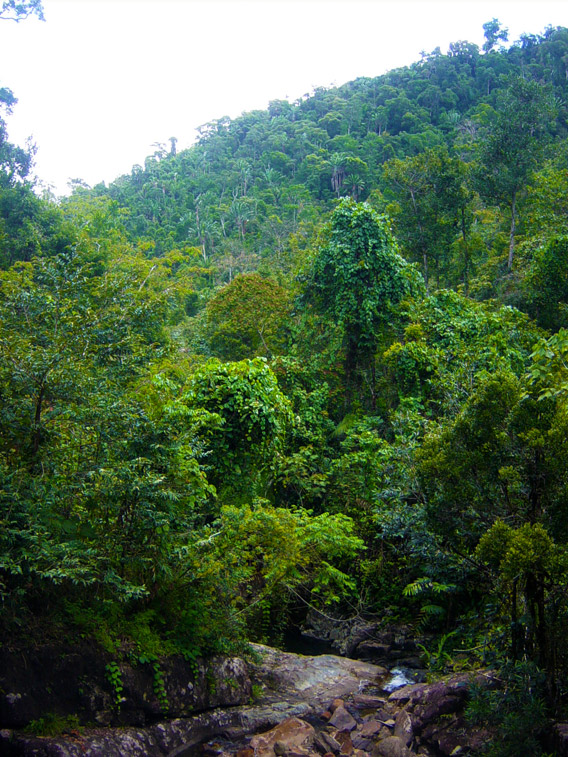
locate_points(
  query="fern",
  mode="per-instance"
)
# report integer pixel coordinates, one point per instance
(422, 585)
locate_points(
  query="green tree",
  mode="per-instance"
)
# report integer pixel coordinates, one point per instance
(15, 162)
(546, 284)
(431, 200)
(527, 560)
(248, 318)
(269, 557)
(493, 33)
(513, 145)
(356, 278)
(95, 486)
(252, 415)
(546, 208)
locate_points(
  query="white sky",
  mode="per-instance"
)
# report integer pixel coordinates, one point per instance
(102, 80)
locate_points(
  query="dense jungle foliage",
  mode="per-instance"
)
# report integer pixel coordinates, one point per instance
(319, 359)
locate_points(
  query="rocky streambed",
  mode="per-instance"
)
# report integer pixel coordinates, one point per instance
(275, 704)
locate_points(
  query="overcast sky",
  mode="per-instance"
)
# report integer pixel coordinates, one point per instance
(101, 81)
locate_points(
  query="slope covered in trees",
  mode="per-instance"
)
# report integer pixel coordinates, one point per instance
(434, 144)
(316, 360)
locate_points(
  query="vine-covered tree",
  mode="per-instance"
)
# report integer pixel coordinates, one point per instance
(356, 279)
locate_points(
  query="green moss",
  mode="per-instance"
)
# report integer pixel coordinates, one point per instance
(52, 724)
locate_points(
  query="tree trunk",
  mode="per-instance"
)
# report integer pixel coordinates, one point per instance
(541, 629)
(36, 434)
(514, 623)
(466, 253)
(513, 229)
(534, 592)
(351, 369)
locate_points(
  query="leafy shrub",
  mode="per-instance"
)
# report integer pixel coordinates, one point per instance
(517, 711)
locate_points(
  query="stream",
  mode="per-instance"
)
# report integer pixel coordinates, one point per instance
(297, 642)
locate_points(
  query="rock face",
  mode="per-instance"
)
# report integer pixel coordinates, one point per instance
(432, 714)
(58, 681)
(175, 737)
(305, 707)
(291, 686)
(27, 683)
(366, 639)
(315, 680)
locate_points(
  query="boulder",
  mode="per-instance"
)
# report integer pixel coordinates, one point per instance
(560, 738)
(371, 728)
(392, 746)
(367, 701)
(328, 742)
(405, 693)
(315, 680)
(344, 634)
(434, 714)
(360, 742)
(342, 720)
(218, 682)
(373, 650)
(403, 727)
(343, 738)
(363, 639)
(290, 735)
(428, 702)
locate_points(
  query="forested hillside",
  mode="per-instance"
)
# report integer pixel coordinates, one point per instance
(441, 146)
(317, 360)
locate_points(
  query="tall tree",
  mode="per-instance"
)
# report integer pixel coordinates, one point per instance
(356, 278)
(513, 146)
(431, 200)
(493, 33)
(15, 161)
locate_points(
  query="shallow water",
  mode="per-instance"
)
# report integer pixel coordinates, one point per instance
(298, 643)
(398, 678)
